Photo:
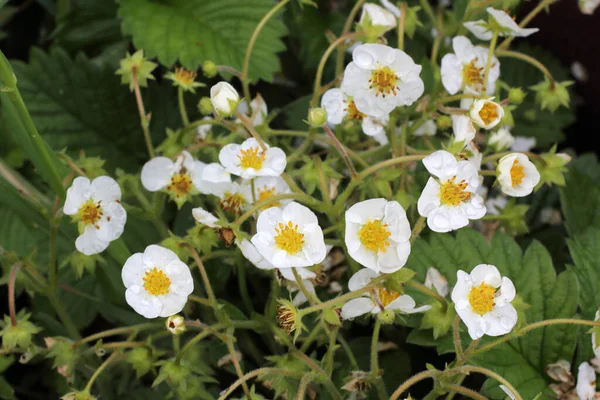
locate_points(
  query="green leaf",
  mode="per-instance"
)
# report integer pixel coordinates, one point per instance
(192, 31)
(79, 105)
(580, 201)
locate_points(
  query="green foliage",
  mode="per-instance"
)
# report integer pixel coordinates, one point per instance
(194, 31)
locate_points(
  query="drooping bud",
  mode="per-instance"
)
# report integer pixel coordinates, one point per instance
(444, 122)
(176, 324)
(375, 21)
(205, 106)
(18, 336)
(209, 69)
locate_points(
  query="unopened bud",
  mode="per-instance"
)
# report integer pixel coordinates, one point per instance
(176, 324)
(387, 317)
(205, 106)
(444, 122)
(224, 98)
(209, 69)
(516, 95)
(317, 117)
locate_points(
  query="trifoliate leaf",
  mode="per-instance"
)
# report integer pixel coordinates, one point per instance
(191, 31)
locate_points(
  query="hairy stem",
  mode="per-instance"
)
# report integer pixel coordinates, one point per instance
(143, 116)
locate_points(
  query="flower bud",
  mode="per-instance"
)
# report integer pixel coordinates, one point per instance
(205, 106)
(209, 69)
(516, 95)
(317, 117)
(176, 324)
(375, 21)
(486, 113)
(224, 98)
(444, 122)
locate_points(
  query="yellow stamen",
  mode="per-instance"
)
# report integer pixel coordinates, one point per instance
(252, 158)
(181, 184)
(156, 282)
(90, 212)
(452, 193)
(489, 112)
(482, 299)
(373, 235)
(233, 202)
(352, 112)
(385, 81)
(288, 238)
(184, 76)
(265, 193)
(517, 173)
(473, 75)
(386, 297)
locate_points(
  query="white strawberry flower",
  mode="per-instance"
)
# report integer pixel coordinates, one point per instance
(517, 175)
(203, 130)
(495, 205)
(378, 234)
(258, 111)
(205, 218)
(501, 139)
(211, 179)
(588, 6)
(465, 69)
(449, 201)
(508, 27)
(249, 159)
(474, 157)
(266, 187)
(177, 177)
(158, 283)
(523, 144)
(388, 5)
(377, 300)
(428, 128)
(339, 106)
(435, 280)
(381, 78)
(290, 237)
(483, 299)
(463, 129)
(586, 382)
(96, 206)
(224, 98)
(251, 253)
(236, 198)
(486, 113)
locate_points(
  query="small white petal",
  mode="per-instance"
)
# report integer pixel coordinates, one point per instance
(79, 192)
(357, 307)
(157, 173)
(89, 243)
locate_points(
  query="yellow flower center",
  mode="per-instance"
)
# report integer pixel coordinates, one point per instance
(352, 112)
(384, 80)
(184, 76)
(452, 193)
(489, 112)
(373, 235)
(265, 193)
(252, 158)
(482, 299)
(233, 202)
(181, 184)
(386, 297)
(288, 238)
(473, 75)
(90, 212)
(517, 173)
(156, 282)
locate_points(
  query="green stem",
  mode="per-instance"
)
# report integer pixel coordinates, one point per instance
(182, 110)
(330, 351)
(15, 111)
(309, 296)
(52, 266)
(339, 63)
(401, 25)
(348, 352)
(465, 392)
(116, 331)
(341, 150)
(11, 295)
(243, 286)
(304, 382)
(323, 61)
(535, 325)
(412, 380)
(207, 285)
(259, 27)
(236, 363)
(456, 337)
(542, 4)
(257, 372)
(530, 60)
(417, 229)
(101, 368)
(374, 360)
(493, 375)
(312, 336)
(248, 124)
(190, 343)
(429, 11)
(488, 63)
(424, 289)
(323, 183)
(143, 117)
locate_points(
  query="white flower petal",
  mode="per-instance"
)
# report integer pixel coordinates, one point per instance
(112, 224)
(105, 189)
(501, 320)
(79, 192)
(156, 173)
(205, 218)
(357, 307)
(158, 256)
(441, 164)
(361, 278)
(480, 29)
(333, 103)
(89, 243)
